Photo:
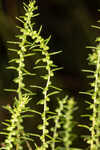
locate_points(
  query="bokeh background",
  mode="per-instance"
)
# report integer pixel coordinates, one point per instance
(69, 23)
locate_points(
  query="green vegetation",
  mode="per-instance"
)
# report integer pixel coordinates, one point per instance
(56, 127)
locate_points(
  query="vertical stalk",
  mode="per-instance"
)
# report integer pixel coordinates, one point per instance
(45, 93)
(94, 108)
(57, 118)
(45, 110)
(95, 134)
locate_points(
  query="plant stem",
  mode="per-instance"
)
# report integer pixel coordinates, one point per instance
(45, 110)
(95, 128)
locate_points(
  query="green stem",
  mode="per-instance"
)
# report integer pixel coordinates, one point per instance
(45, 111)
(94, 141)
(20, 76)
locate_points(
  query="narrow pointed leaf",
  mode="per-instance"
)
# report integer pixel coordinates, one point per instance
(27, 72)
(6, 124)
(54, 53)
(39, 67)
(25, 5)
(36, 15)
(37, 50)
(53, 93)
(31, 54)
(12, 42)
(11, 67)
(56, 88)
(51, 117)
(8, 108)
(57, 69)
(47, 40)
(90, 71)
(50, 112)
(33, 46)
(27, 138)
(37, 61)
(40, 30)
(25, 8)
(84, 126)
(97, 27)
(27, 90)
(14, 60)
(27, 116)
(36, 86)
(10, 90)
(86, 93)
(40, 102)
(87, 115)
(3, 133)
(36, 135)
(20, 20)
(91, 47)
(34, 111)
(13, 50)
